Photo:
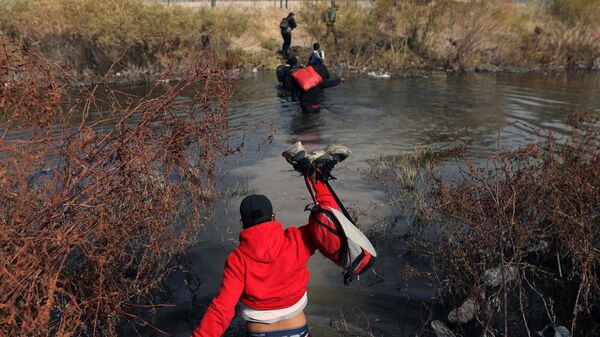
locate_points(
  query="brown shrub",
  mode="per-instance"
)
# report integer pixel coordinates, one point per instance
(534, 209)
(517, 234)
(98, 191)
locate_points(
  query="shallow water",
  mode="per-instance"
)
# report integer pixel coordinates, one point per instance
(372, 117)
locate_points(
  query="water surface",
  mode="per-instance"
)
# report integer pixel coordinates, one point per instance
(373, 117)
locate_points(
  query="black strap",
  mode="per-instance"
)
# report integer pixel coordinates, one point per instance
(339, 202)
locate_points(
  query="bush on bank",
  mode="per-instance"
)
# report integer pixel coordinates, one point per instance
(462, 35)
(394, 35)
(514, 240)
(90, 35)
(100, 192)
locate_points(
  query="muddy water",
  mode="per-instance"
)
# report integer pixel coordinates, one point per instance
(372, 117)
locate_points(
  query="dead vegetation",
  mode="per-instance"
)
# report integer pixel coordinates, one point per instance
(515, 240)
(461, 35)
(412, 35)
(99, 190)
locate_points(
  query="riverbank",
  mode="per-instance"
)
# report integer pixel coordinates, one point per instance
(134, 40)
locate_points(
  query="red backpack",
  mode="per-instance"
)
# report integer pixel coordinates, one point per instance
(307, 78)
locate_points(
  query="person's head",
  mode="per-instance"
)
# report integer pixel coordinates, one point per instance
(316, 46)
(291, 15)
(254, 210)
(332, 3)
(292, 61)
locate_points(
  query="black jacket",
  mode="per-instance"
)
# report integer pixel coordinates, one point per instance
(291, 24)
(310, 101)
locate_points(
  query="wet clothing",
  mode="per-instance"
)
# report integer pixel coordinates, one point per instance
(267, 271)
(298, 332)
(286, 34)
(284, 76)
(322, 70)
(283, 72)
(310, 101)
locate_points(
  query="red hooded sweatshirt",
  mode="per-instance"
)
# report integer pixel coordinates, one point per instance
(267, 271)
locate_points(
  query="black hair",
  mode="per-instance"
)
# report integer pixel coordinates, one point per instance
(292, 61)
(255, 209)
(316, 46)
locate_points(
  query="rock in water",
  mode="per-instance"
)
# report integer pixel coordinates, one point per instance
(464, 313)
(493, 277)
(554, 331)
(441, 330)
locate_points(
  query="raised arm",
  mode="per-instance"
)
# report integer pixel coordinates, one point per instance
(331, 83)
(323, 194)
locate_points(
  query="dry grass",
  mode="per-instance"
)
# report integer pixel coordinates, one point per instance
(395, 35)
(459, 35)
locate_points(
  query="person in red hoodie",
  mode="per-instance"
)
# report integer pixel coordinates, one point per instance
(267, 272)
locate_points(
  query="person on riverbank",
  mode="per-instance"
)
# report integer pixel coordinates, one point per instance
(330, 16)
(267, 272)
(317, 56)
(286, 26)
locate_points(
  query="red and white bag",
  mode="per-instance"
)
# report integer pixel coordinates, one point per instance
(338, 239)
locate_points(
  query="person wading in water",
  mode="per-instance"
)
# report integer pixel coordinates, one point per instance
(267, 272)
(286, 26)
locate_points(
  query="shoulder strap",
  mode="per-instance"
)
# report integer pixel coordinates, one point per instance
(339, 202)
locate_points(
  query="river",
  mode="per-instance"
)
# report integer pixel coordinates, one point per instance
(372, 117)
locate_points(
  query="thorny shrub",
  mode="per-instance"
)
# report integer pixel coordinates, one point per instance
(518, 234)
(99, 190)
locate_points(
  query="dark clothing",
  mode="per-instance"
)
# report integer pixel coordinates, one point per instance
(298, 332)
(292, 23)
(322, 70)
(287, 42)
(286, 34)
(283, 72)
(331, 30)
(310, 101)
(288, 81)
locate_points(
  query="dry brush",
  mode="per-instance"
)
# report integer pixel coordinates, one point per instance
(99, 190)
